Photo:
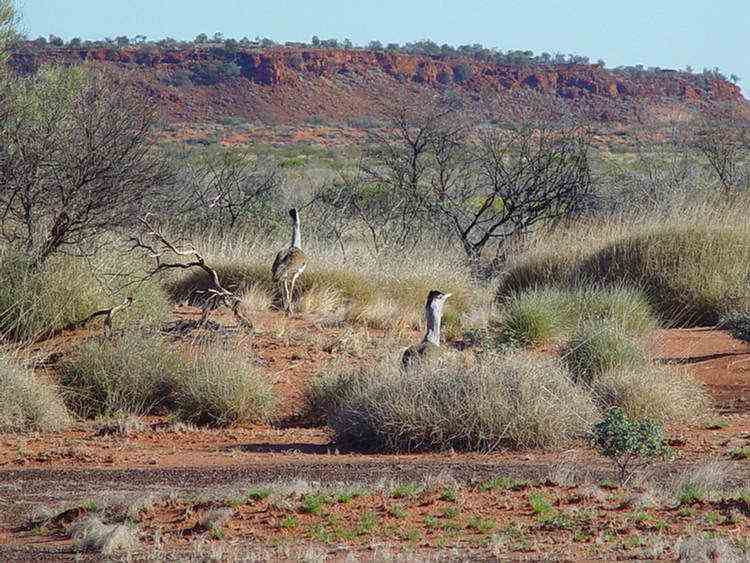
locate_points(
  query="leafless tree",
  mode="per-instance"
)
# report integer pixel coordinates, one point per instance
(223, 190)
(76, 160)
(722, 136)
(482, 185)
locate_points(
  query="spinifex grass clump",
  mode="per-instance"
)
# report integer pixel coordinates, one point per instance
(514, 401)
(691, 274)
(221, 387)
(36, 301)
(141, 374)
(539, 316)
(601, 346)
(132, 373)
(27, 402)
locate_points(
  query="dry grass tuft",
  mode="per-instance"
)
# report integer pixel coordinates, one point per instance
(517, 401)
(601, 346)
(27, 402)
(110, 540)
(221, 387)
(655, 392)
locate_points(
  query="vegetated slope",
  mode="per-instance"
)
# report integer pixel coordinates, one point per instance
(290, 84)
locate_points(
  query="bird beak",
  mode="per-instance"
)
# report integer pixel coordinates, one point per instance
(447, 295)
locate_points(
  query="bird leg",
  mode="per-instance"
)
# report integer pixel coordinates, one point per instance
(291, 292)
(288, 303)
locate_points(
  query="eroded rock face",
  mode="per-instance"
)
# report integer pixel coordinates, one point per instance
(286, 84)
(281, 65)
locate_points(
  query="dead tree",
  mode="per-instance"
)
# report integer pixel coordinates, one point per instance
(159, 248)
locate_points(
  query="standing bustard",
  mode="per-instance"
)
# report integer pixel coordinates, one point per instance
(289, 263)
(430, 346)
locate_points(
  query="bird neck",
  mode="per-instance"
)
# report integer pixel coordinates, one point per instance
(433, 316)
(296, 235)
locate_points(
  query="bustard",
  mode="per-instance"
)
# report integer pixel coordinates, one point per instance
(289, 263)
(430, 345)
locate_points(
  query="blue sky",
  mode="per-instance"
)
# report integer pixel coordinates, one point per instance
(666, 33)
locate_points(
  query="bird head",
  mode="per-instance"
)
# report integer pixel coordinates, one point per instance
(293, 213)
(436, 298)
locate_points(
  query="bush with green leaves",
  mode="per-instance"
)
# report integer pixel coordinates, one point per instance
(517, 400)
(629, 443)
(27, 402)
(600, 346)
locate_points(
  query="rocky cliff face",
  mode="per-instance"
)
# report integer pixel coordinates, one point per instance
(298, 82)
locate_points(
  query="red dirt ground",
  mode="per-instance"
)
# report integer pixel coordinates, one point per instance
(63, 466)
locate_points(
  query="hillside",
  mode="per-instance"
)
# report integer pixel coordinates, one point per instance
(283, 85)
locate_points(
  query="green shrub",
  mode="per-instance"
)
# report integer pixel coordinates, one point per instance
(598, 347)
(538, 316)
(37, 302)
(28, 403)
(628, 442)
(131, 373)
(654, 392)
(221, 387)
(517, 401)
(690, 274)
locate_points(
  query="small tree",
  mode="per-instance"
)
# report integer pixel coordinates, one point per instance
(722, 136)
(76, 160)
(629, 443)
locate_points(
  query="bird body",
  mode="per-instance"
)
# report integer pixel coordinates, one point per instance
(429, 348)
(289, 263)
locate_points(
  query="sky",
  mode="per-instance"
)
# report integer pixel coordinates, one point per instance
(664, 33)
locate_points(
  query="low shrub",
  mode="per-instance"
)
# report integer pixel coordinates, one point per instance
(627, 442)
(598, 347)
(221, 387)
(131, 373)
(27, 402)
(35, 302)
(691, 274)
(513, 401)
(538, 316)
(654, 392)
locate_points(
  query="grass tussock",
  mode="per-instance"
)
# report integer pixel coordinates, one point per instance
(654, 392)
(138, 375)
(539, 316)
(27, 402)
(35, 302)
(691, 273)
(221, 387)
(601, 346)
(110, 540)
(131, 373)
(386, 291)
(514, 401)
